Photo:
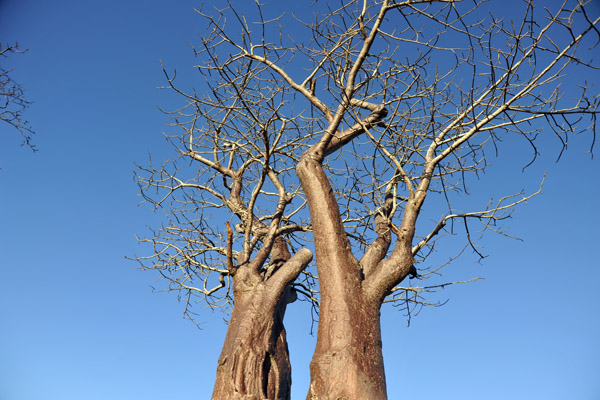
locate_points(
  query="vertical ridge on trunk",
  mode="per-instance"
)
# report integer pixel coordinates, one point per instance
(254, 362)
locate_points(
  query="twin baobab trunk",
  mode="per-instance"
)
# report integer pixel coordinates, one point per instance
(348, 359)
(254, 362)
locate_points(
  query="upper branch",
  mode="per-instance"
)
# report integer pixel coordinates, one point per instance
(12, 100)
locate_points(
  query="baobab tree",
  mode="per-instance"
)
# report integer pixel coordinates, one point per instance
(334, 140)
(12, 98)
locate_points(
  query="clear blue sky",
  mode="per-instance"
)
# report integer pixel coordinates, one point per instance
(80, 322)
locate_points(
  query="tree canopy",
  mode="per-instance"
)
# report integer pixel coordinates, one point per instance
(329, 138)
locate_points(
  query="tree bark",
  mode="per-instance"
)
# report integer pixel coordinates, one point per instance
(348, 359)
(254, 362)
(348, 362)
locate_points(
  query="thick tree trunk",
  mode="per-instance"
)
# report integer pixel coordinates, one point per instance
(254, 363)
(348, 359)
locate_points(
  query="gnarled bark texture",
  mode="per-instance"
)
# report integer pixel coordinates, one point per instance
(254, 362)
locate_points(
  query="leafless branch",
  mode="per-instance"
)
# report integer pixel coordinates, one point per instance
(12, 99)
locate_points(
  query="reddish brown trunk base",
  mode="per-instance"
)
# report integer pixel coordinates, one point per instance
(348, 359)
(254, 363)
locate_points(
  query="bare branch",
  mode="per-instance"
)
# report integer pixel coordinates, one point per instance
(12, 99)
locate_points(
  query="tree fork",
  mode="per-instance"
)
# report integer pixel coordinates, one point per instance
(254, 363)
(348, 358)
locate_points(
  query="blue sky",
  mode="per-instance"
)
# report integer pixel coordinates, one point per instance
(79, 321)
